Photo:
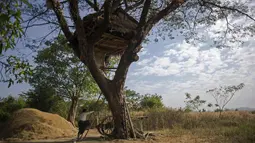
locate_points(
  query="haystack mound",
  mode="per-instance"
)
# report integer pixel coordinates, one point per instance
(32, 124)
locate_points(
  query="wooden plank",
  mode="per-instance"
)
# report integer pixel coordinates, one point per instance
(107, 35)
(114, 44)
(112, 47)
(99, 48)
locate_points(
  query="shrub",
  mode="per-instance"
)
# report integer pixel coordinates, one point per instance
(151, 101)
(9, 105)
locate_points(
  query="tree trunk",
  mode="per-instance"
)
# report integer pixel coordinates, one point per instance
(73, 110)
(117, 107)
(112, 89)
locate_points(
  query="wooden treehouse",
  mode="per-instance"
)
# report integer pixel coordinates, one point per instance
(116, 38)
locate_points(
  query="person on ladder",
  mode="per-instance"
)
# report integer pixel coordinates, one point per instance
(83, 123)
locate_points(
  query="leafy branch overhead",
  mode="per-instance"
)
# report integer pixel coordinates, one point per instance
(156, 17)
(12, 68)
(151, 12)
(10, 23)
(15, 69)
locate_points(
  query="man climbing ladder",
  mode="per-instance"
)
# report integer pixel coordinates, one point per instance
(83, 123)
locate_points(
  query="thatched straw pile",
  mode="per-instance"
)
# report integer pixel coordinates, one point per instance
(32, 124)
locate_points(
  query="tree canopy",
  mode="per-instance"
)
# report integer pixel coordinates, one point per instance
(58, 69)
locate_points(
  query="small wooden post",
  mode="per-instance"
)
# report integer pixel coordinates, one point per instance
(97, 120)
(129, 119)
(141, 125)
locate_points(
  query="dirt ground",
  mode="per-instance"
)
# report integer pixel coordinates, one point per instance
(94, 137)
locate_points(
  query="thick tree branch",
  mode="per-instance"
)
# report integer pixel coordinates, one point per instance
(115, 5)
(125, 62)
(63, 2)
(86, 46)
(140, 2)
(143, 29)
(62, 21)
(93, 5)
(80, 49)
(103, 26)
(74, 10)
(130, 54)
(96, 5)
(227, 8)
(170, 8)
(144, 14)
(125, 3)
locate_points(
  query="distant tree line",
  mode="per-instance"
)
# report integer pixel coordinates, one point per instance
(45, 99)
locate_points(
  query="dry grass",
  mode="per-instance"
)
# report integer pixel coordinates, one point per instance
(171, 126)
(30, 124)
(233, 126)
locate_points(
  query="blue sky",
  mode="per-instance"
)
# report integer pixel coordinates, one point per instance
(173, 67)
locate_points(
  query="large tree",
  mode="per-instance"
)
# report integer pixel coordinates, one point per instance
(167, 15)
(59, 69)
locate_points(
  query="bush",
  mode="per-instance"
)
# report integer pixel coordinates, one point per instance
(4, 116)
(151, 101)
(45, 99)
(61, 108)
(9, 105)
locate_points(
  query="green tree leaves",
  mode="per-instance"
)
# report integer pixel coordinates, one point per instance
(45, 99)
(10, 23)
(8, 105)
(193, 104)
(59, 68)
(133, 98)
(14, 69)
(152, 101)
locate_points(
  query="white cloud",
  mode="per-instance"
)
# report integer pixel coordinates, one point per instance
(144, 50)
(183, 58)
(185, 67)
(144, 62)
(160, 67)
